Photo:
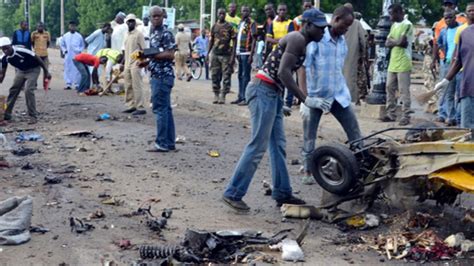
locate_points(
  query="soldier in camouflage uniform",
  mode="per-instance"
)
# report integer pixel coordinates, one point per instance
(427, 46)
(362, 75)
(222, 51)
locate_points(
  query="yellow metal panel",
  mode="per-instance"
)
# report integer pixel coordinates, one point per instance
(457, 177)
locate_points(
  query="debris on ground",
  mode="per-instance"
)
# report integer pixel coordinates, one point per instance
(103, 117)
(112, 201)
(267, 188)
(361, 222)
(38, 229)
(22, 151)
(290, 249)
(216, 247)
(27, 166)
(78, 133)
(180, 139)
(295, 162)
(97, 214)
(156, 224)
(52, 180)
(469, 216)
(213, 153)
(78, 226)
(4, 163)
(301, 211)
(167, 213)
(22, 137)
(123, 244)
(420, 220)
(454, 241)
(15, 220)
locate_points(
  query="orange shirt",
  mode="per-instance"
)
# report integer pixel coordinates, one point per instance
(441, 25)
(88, 59)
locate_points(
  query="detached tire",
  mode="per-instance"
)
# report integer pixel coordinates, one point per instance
(335, 168)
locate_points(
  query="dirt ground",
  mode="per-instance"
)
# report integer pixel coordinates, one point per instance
(116, 162)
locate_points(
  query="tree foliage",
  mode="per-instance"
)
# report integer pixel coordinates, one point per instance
(92, 13)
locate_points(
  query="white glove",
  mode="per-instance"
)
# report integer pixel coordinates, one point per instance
(443, 84)
(304, 111)
(286, 111)
(319, 103)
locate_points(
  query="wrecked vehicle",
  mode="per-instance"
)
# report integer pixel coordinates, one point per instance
(430, 163)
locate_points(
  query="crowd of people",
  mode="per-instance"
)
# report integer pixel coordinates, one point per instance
(303, 60)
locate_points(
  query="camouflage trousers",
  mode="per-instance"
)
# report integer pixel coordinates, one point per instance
(221, 71)
(362, 82)
(429, 83)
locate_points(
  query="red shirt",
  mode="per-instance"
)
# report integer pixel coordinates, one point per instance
(88, 59)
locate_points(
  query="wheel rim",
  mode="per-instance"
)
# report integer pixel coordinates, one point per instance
(331, 170)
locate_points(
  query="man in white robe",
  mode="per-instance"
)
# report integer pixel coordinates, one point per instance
(72, 43)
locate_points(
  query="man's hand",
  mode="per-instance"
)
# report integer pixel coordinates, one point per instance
(319, 103)
(443, 84)
(286, 111)
(304, 111)
(47, 75)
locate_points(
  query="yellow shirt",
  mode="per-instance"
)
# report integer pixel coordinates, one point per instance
(40, 41)
(460, 29)
(279, 29)
(234, 21)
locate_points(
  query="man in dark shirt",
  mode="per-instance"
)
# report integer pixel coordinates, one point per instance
(22, 36)
(265, 101)
(160, 66)
(222, 53)
(28, 67)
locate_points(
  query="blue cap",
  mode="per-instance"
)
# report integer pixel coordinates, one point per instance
(316, 17)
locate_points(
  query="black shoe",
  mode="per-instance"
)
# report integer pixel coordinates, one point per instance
(139, 112)
(238, 205)
(236, 101)
(387, 119)
(130, 110)
(189, 78)
(291, 200)
(242, 103)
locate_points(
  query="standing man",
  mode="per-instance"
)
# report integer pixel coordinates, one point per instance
(280, 27)
(232, 17)
(400, 40)
(326, 86)
(270, 14)
(22, 36)
(201, 44)
(264, 97)
(134, 41)
(447, 45)
(145, 28)
(222, 51)
(464, 60)
(97, 40)
(28, 67)
(40, 40)
(119, 31)
(72, 44)
(246, 38)
(356, 39)
(183, 42)
(162, 80)
(82, 62)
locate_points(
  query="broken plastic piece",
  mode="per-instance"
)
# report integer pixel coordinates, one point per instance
(301, 211)
(291, 251)
(213, 153)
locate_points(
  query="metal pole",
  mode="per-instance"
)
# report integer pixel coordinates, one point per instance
(42, 11)
(202, 11)
(166, 3)
(62, 17)
(213, 12)
(317, 4)
(27, 12)
(378, 94)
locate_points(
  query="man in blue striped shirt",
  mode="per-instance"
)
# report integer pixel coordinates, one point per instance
(327, 86)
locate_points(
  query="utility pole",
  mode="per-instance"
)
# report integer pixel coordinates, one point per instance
(62, 17)
(42, 11)
(213, 12)
(201, 17)
(166, 3)
(317, 4)
(27, 12)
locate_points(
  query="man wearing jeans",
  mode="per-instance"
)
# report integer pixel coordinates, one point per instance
(326, 85)
(246, 36)
(400, 40)
(28, 66)
(82, 62)
(162, 80)
(264, 97)
(464, 60)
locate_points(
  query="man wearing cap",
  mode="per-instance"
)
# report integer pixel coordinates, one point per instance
(119, 30)
(72, 44)
(28, 66)
(134, 41)
(183, 43)
(326, 85)
(265, 101)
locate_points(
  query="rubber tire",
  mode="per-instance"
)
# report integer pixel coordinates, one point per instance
(351, 169)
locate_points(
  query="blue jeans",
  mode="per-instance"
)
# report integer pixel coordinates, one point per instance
(446, 103)
(265, 105)
(244, 75)
(161, 100)
(467, 112)
(346, 118)
(85, 82)
(457, 101)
